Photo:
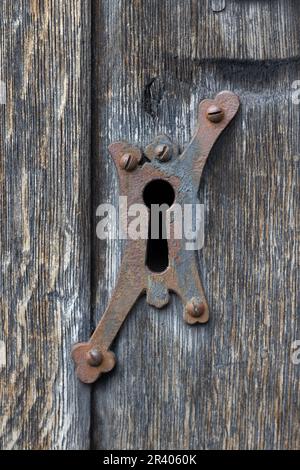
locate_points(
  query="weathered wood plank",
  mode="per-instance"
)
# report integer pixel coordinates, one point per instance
(229, 384)
(44, 211)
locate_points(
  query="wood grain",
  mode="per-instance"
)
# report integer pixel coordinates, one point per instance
(230, 384)
(44, 211)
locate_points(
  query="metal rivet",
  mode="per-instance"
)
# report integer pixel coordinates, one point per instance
(162, 152)
(218, 5)
(195, 309)
(128, 162)
(94, 358)
(215, 113)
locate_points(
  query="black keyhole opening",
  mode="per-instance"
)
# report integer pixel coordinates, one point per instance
(157, 254)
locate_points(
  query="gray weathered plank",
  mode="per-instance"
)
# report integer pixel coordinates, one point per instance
(44, 211)
(230, 384)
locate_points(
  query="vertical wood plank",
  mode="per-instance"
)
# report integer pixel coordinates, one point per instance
(230, 384)
(44, 212)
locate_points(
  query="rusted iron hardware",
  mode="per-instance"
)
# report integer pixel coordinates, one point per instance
(137, 169)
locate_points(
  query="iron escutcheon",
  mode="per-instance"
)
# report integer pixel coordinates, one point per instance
(160, 160)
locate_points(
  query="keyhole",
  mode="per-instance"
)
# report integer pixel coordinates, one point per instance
(157, 254)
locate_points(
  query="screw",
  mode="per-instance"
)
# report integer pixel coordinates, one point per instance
(214, 113)
(94, 357)
(162, 152)
(128, 162)
(195, 309)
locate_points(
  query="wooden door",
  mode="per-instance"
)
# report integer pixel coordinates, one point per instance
(79, 75)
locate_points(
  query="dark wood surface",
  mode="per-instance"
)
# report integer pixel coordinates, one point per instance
(231, 383)
(146, 64)
(44, 213)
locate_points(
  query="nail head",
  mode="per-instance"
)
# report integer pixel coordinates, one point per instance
(94, 357)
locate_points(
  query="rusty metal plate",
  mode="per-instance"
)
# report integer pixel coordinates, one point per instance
(161, 160)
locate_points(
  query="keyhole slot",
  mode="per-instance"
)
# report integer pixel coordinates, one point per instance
(157, 254)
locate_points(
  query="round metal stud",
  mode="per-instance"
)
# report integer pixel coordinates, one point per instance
(215, 113)
(94, 358)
